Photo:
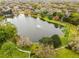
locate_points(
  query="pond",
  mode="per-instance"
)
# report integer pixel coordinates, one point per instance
(33, 28)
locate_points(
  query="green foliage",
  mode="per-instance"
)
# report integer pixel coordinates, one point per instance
(56, 41)
(53, 40)
(46, 40)
(1, 18)
(7, 31)
(8, 47)
(60, 14)
(35, 46)
(73, 18)
(41, 51)
(50, 17)
(65, 53)
(74, 45)
(9, 50)
(44, 13)
(65, 37)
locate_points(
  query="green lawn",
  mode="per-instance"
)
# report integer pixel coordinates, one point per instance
(65, 53)
(14, 54)
(9, 50)
(2, 17)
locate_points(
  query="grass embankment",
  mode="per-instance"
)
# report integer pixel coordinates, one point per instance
(2, 17)
(9, 50)
(15, 54)
(66, 53)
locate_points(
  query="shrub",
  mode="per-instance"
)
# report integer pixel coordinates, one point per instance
(24, 42)
(73, 18)
(42, 51)
(7, 31)
(46, 40)
(74, 45)
(56, 41)
(53, 40)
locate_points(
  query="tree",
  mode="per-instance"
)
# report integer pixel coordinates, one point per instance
(46, 40)
(53, 40)
(56, 41)
(73, 18)
(7, 31)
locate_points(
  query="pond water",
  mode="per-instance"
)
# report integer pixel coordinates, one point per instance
(35, 29)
